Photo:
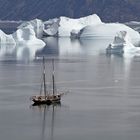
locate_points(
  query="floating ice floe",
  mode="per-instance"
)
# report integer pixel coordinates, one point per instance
(122, 44)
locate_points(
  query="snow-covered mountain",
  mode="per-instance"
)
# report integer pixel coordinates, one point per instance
(108, 10)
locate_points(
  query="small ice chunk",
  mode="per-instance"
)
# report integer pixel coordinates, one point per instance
(122, 44)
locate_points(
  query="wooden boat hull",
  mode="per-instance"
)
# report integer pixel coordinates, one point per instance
(43, 100)
(48, 102)
(37, 102)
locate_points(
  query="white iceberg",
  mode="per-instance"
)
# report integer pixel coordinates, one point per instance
(27, 36)
(63, 26)
(85, 27)
(6, 39)
(108, 30)
(23, 41)
(90, 27)
(68, 24)
(37, 26)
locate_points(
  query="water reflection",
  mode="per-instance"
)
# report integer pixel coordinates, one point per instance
(94, 46)
(48, 114)
(51, 48)
(66, 47)
(21, 52)
(69, 47)
(108, 85)
(54, 47)
(58, 47)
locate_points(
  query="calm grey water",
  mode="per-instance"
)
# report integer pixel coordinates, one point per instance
(102, 102)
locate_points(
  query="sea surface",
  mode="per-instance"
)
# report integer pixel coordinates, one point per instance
(101, 100)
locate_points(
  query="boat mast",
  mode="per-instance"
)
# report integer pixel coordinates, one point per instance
(53, 78)
(44, 76)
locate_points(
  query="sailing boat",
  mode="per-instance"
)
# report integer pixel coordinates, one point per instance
(47, 98)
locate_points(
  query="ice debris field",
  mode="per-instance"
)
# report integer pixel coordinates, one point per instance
(29, 34)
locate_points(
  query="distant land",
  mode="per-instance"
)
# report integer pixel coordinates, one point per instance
(108, 10)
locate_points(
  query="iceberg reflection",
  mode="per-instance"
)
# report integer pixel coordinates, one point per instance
(59, 47)
(51, 48)
(20, 52)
